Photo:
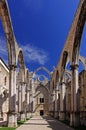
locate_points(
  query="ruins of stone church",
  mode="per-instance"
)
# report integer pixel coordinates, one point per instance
(61, 95)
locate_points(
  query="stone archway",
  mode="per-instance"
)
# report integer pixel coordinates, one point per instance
(64, 63)
(57, 78)
(21, 65)
(42, 68)
(78, 33)
(8, 30)
(21, 85)
(79, 25)
(11, 48)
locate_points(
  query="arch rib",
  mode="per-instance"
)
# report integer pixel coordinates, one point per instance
(42, 68)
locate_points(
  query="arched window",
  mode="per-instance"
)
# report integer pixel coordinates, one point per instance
(41, 99)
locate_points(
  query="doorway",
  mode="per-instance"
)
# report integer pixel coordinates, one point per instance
(41, 112)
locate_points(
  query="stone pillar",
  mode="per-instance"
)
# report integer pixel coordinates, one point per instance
(63, 101)
(17, 90)
(53, 103)
(23, 107)
(56, 99)
(31, 102)
(19, 98)
(33, 97)
(28, 102)
(12, 115)
(74, 116)
(51, 98)
(30, 96)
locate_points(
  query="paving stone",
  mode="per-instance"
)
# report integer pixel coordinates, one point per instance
(44, 123)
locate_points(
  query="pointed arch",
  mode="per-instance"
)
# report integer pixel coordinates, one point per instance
(42, 68)
(21, 65)
(57, 79)
(67, 75)
(64, 60)
(64, 63)
(21, 58)
(78, 34)
(8, 30)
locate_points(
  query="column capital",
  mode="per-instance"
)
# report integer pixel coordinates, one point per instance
(12, 67)
(74, 66)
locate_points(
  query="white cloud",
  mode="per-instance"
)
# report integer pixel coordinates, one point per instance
(2, 46)
(34, 54)
(31, 53)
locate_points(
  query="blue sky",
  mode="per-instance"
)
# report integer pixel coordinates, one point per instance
(41, 28)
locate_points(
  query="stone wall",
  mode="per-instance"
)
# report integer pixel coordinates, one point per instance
(41, 106)
(4, 91)
(82, 93)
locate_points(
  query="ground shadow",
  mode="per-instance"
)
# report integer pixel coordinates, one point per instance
(55, 124)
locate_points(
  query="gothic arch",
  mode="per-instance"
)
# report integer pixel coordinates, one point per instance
(8, 30)
(78, 33)
(57, 76)
(21, 65)
(57, 80)
(27, 76)
(68, 74)
(21, 59)
(42, 68)
(65, 60)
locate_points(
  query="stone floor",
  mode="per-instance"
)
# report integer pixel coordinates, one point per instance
(44, 123)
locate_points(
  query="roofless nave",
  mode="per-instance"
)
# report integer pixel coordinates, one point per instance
(64, 96)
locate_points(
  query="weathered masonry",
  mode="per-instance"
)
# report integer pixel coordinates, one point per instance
(62, 95)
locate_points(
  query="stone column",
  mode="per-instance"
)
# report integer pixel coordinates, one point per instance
(30, 97)
(23, 107)
(17, 90)
(74, 116)
(19, 98)
(53, 103)
(31, 102)
(28, 101)
(33, 97)
(56, 99)
(51, 99)
(63, 101)
(12, 115)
